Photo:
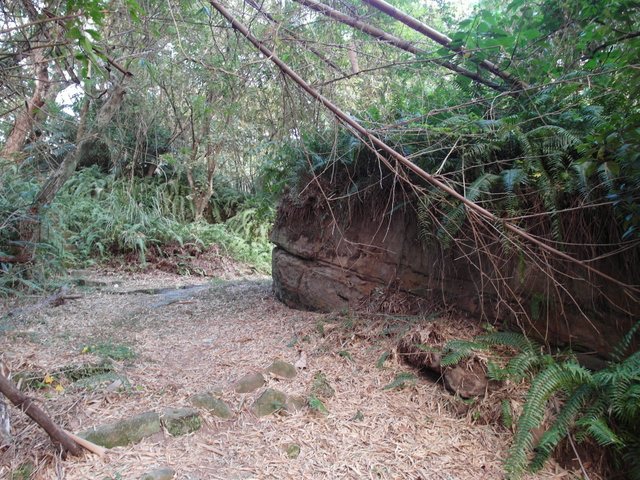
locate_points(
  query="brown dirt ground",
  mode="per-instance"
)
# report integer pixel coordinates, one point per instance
(209, 339)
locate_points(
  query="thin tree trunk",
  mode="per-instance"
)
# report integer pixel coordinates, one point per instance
(295, 37)
(58, 178)
(200, 196)
(5, 424)
(395, 41)
(440, 38)
(25, 120)
(353, 58)
(5, 419)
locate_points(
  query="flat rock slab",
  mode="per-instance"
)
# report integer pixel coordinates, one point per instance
(211, 404)
(269, 402)
(159, 474)
(293, 451)
(249, 383)
(125, 432)
(104, 381)
(180, 421)
(282, 369)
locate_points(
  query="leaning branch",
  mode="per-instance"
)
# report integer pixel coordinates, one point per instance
(442, 39)
(395, 41)
(405, 162)
(28, 406)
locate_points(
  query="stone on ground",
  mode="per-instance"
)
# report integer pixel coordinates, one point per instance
(211, 404)
(180, 421)
(466, 382)
(159, 474)
(269, 402)
(282, 369)
(321, 387)
(124, 432)
(249, 383)
(104, 381)
(296, 403)
(293, 451)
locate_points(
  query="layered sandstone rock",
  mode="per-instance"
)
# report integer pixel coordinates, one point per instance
(346, 254)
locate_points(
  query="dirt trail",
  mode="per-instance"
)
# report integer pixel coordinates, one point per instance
(178, 343)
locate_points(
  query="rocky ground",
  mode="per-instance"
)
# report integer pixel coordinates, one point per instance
(194, 359)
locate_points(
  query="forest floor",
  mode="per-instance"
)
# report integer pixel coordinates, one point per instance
(170, 344)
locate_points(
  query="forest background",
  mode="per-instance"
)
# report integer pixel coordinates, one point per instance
(134, 128)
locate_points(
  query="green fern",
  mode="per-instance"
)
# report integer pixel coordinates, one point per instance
(548, 382)
(506, 414)
(457, 350)
(604, 406)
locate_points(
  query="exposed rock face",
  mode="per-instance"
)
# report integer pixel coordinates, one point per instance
(358, 253)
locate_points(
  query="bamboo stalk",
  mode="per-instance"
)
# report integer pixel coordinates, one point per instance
(92, 447)
(441, 38)
(395, 41)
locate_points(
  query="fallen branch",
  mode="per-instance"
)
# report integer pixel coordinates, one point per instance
(55, 300)
(442, 39)
(28, 406)
(92, 447)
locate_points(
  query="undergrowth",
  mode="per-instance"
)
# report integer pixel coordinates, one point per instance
(603, 406)
(98, 216)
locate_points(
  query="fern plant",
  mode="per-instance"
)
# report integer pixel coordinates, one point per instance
(603, 405)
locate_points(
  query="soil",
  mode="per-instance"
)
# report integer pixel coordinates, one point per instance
(176, 336)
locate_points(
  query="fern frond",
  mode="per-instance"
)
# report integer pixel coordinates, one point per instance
(553, 138)
(620, 350)
(512, 178)
(598, 429)
(458, 350)
(521, 364)
(506, 413)
(517, 341)
(561, 426)
(544, 386)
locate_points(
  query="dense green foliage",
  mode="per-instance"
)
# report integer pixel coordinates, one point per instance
(98, 215)
(209, 135)
(603, 406)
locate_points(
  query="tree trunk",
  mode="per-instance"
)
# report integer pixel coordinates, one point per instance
(58, 178)
(353, 58)
(25, 120)
(5, 420)
(5, 424)
(201, 196)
